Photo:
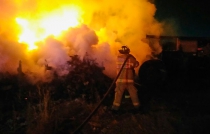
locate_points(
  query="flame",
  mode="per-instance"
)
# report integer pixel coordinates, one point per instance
(54, 23)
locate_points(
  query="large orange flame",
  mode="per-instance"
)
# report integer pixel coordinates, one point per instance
(53, 23)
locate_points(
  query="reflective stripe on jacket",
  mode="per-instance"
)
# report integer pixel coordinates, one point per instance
(127, 74)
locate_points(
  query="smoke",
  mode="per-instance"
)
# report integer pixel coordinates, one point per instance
(171, 27)
(81, 39)
(104, 28)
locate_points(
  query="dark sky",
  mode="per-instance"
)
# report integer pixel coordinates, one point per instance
(191, 16)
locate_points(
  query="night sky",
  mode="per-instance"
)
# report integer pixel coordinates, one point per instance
(191, 17)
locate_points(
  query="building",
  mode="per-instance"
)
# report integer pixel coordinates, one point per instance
(195, 46)
(184, 54)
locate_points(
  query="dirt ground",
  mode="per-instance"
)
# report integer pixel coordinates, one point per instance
(180, 106)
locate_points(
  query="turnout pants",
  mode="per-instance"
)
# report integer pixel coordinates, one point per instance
(119, 90)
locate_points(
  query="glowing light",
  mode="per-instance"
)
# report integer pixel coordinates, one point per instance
(27, 35)
(54, 23)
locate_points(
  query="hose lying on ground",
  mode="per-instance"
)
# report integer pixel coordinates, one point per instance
(92, 113)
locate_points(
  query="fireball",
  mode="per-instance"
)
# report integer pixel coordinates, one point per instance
(49, 24)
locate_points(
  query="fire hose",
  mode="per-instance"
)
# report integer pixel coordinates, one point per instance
(96, 108)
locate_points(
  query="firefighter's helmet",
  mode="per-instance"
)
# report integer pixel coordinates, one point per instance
(124, 50)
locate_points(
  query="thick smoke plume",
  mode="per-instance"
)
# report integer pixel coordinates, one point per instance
(105, 26)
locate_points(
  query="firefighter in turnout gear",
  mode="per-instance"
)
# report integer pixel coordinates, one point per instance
(125, 80)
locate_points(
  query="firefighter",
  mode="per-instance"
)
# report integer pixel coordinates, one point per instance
(125, 80)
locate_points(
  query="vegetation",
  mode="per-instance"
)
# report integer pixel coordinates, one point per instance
(38, 108)
(60, 106)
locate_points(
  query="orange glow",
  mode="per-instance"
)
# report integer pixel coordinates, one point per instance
(53, 23)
